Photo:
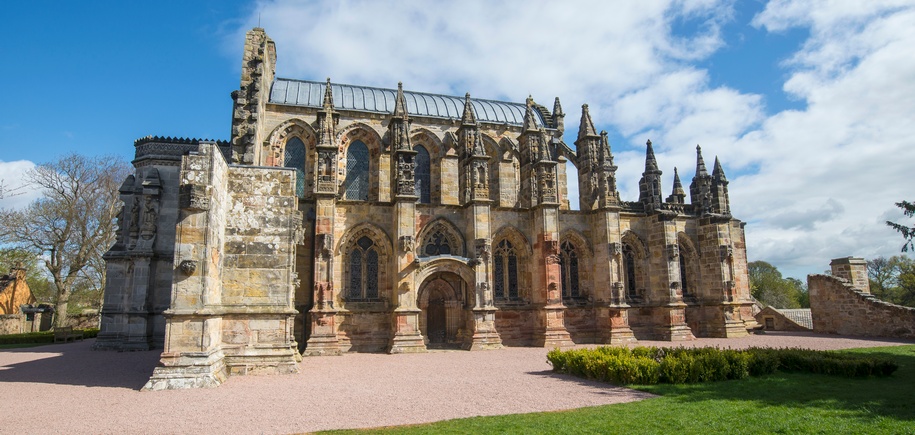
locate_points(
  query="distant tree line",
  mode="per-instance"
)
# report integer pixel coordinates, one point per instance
(770, 288)
(893, 279)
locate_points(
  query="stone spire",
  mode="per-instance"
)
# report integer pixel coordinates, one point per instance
(328, 97)
(700, 163)
(558, 117)
(650, 184)
(400, 104)
(720, 201)
(586, 128)
(678, 195)
(718, 172)
(700, 187)
(651, 164)
(468, 118)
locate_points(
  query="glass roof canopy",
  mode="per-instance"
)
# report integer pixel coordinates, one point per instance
(377, 100)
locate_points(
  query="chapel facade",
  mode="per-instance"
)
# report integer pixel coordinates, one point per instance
(344, 218)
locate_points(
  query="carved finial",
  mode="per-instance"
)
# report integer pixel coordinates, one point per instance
(328, 97)
(468, 118)
(678, 186)
(400, 103)
(529, 121)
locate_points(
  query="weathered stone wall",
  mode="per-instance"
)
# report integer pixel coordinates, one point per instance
(838, 307)
(83, 321)
(12, 324)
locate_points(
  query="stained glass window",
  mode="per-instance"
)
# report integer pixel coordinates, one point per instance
(294, 157)
(422, 174)
(363, 270)
(505, 271)
(356, 184)
(437, 244)
(568, 268)
(629, 265)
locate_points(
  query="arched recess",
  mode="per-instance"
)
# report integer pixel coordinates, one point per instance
(690, 272)
(440, 237)
(575, 266)
(511, 257)
(426, 139)
(494, 151)
(509, 164)
(359, 248)
(302, 159)
(635, 268)
(378, 180)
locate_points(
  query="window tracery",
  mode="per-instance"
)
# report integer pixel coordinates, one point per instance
(568, 269)
(422, 175)
(363, 270)
(505, 273)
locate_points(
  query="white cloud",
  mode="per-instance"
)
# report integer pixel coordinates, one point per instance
(814, 184)
(16, 193)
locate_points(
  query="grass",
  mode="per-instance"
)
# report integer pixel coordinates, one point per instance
(787, 403)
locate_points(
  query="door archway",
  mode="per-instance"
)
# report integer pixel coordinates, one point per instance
(441, 302)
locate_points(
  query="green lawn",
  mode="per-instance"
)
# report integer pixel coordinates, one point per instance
(781, 403)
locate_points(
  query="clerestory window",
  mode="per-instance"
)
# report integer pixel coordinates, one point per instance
(294, 157)
(356, 183)
(422, 175)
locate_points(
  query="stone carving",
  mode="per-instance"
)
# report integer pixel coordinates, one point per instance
(148, 230)
(615, 248)
(188, 267)
(483, 249)
(406, 243)
(194, 197)
(324, 245)
(725, 252)
(673, 252)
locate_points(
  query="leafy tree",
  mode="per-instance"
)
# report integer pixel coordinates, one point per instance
(769, 287)
(72, 224)
(908, 209)
(893, 279)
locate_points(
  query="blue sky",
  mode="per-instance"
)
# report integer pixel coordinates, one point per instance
(808, 104)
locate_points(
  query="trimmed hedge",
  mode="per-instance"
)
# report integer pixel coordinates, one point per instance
(42, 337)
(652, 365)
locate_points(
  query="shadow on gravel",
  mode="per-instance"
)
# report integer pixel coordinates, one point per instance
(77, 364)
(605, 388)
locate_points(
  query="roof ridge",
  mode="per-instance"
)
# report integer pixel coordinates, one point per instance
(395, 91)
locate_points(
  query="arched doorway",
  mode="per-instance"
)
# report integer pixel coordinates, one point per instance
(441, 303)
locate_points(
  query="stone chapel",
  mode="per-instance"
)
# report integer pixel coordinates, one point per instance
(343, 218)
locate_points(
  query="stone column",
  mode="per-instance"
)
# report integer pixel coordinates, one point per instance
(668, 309)
(853, 270)
(612, 311)
(323, 338)
(722, 294)
(482, 321)
(547, 294)
(407, 337)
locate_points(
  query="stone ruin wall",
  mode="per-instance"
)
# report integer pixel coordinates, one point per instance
(842, 304)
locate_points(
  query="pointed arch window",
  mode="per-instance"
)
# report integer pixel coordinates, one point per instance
(568, 270)
(294, 157)
(363, 271)
(505, 271)
(423, 175)
(629, 271)
(437, 244)
(356, 183)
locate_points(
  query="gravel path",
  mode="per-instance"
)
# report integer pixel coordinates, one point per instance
(68, 388)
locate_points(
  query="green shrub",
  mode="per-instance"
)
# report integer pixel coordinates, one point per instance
(41, 337)
(651, 365)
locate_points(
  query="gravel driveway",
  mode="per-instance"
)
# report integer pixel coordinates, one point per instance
(68, 388)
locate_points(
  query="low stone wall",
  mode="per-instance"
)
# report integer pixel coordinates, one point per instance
(83, 321)
(11, 323)
(837, 307)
